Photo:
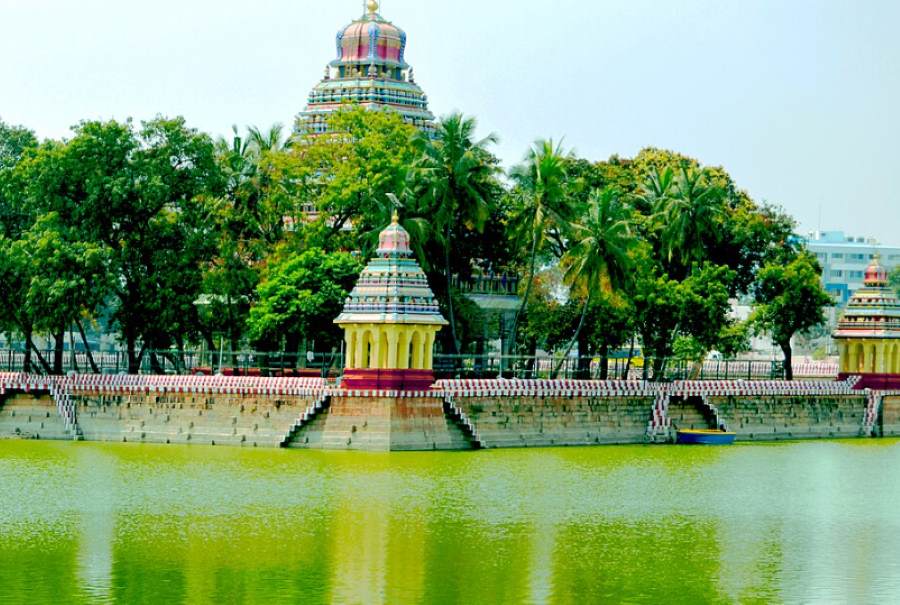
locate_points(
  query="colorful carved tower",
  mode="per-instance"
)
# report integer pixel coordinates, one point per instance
(370, 70)
(390, 321)
(868, 334)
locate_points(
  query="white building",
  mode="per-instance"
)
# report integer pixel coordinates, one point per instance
(844, 260)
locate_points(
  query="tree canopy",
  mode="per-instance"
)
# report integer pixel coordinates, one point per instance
(172, 239)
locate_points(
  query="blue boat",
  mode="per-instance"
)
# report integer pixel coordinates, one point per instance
(704, 437)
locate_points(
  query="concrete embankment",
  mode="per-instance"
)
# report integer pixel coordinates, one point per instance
(239, 420)
(455, 415)
(30, 416)
(546, 421)
(776, 418)
(889, 425)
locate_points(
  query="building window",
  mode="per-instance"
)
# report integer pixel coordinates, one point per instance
(837, 255)
(837, 273)
(855, 274)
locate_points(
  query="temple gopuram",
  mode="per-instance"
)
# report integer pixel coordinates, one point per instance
(370, 70)
(868, 334)
(390, 320)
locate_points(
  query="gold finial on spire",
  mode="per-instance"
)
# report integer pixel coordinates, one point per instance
(372, 5)
(395, 217)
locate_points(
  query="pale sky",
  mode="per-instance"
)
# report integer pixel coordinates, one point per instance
(797, 99)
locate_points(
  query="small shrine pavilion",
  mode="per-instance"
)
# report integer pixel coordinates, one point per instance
(868, 334)
(390, 320)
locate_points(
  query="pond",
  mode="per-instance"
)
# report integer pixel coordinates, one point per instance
(94, 523)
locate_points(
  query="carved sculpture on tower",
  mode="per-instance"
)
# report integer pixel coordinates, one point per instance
(868, 334)
(370, 71)
(390, 320)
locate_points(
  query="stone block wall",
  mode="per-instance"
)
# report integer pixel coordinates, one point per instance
(775, 418)
(454, 415)
(890, 416)
(543, 421)
(30, 416)
(189, 418)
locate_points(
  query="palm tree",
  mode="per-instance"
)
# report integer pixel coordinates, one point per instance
(688, 215)
(269, 140)
(599, 255)
(457, 173)
(248, 176)
(654, 191)
(539, 199)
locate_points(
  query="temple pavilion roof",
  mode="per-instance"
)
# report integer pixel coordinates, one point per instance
(392, 289)
(874, 310)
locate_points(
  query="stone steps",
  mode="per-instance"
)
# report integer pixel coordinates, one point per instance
(555, 421)
(243, 423)
(381, 425)
(31, 417)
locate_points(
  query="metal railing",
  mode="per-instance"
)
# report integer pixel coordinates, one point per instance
(497, 285)
(590, 368)
(330, 365)
(245, 363)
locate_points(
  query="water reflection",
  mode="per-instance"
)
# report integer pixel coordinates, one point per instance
(88, 523)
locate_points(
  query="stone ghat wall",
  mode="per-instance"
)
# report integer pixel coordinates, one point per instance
(305, 413)
(544, 421)
(382, 423)
(31, 416)
(890, 416)
(189, 418)
(775, 418)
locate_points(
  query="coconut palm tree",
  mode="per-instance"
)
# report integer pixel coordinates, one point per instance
(244, 163)
(598, 258)
(687, 216)
(272, 139)
(654, 191)
(539, 199)
(457, 174)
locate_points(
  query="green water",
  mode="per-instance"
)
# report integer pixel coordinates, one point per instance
(801, 522)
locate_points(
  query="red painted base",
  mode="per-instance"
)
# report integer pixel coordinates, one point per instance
(876, 382)
(387, 380)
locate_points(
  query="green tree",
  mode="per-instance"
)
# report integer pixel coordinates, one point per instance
(539, 200)
(299, 298)
(895, 279)
(249, 222)
(248, 164)
(16, 317)
(68, 280)
(705, 305)
(789, 300)
(599, 257)
(14, 142)
(336, 185)
(457, 174)
(16, 217)
(688, 214)
(145, 197)
(657, 305)
(741, 234)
